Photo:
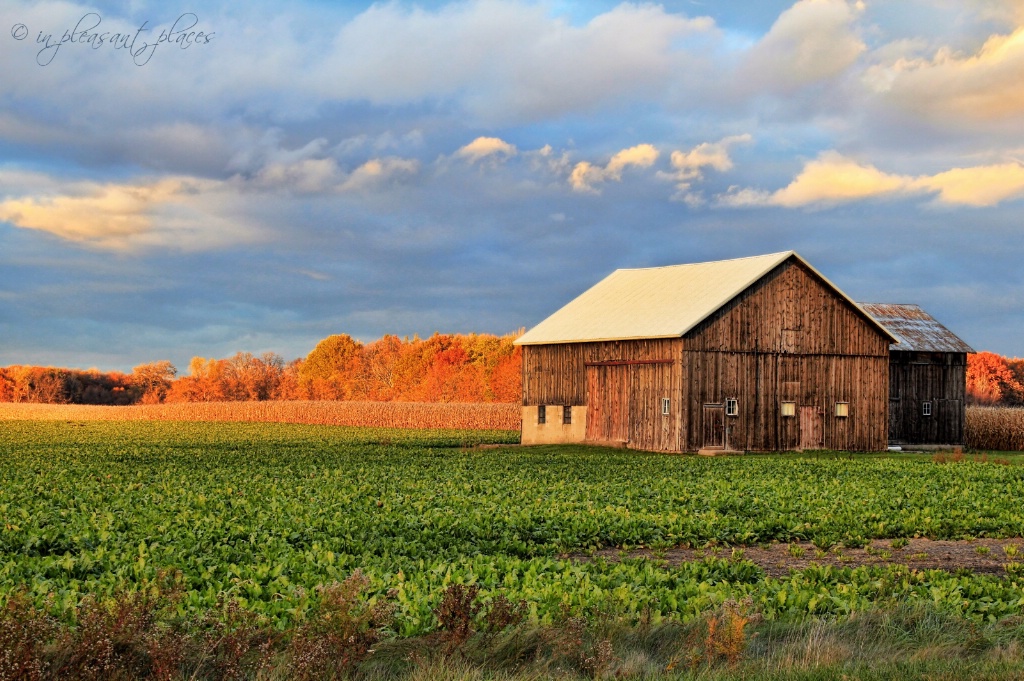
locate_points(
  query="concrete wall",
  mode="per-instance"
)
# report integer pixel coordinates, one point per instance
(554, 431)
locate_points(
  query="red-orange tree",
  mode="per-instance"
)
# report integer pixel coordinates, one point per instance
(991, 381)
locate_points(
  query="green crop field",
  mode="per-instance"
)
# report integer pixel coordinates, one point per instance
(264, 513)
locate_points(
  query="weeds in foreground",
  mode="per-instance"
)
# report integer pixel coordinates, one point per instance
(346, 634)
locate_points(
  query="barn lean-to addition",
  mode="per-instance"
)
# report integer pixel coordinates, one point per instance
(927, 377)
(760, 353)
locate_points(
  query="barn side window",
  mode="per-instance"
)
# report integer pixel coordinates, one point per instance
(789, 408)
(542, 414)
(566, 415)
(926, 409)
(665, 404)
(842, 409)
(732, 406)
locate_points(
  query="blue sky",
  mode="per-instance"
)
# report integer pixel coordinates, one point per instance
(317, 168)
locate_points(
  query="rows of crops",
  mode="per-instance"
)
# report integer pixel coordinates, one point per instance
(429, 415)
(263, 514)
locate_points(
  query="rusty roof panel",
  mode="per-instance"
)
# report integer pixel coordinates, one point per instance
(917, 330)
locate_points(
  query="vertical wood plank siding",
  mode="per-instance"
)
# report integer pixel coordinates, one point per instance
(628, 407)
(917, 377)
(788, 337)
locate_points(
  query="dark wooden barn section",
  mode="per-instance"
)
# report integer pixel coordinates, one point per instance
(927, 377)
(760, 353)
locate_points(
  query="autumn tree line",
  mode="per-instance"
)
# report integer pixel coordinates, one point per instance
(993, 380)
(442, 368)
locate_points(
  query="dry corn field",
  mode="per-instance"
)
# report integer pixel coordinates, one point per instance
(990, 428)
(995, 428)
(461, 416)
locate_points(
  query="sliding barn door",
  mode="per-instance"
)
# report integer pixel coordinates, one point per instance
(608, 403)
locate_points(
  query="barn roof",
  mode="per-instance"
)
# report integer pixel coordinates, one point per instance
(917, 330)
(660, 302)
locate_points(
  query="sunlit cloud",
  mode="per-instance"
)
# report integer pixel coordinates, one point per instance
(688, 166)
(379, 171)
(585, 174)
(483, 147)
(952, 87)
(978, 186)
(833, 179)
(111, 216)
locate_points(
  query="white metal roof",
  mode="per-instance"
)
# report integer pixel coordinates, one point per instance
(659, 302)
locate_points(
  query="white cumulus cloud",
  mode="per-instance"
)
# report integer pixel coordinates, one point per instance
(483, 147)
(585, 175)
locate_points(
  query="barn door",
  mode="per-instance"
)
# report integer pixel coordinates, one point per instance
(895, 420)
(812, 432)
(608, 404)
(714, 426)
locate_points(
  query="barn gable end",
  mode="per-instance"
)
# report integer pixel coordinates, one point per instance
(788, 338)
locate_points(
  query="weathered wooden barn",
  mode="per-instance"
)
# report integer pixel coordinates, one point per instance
(760, 353)
(927, 377)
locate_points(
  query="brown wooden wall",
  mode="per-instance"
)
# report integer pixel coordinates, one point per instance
(556, 374)
(630, 409)
(761, 382)
(917, 377)
(789, 311)
(787, 337)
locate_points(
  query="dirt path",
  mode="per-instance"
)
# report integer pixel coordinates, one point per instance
(983, 556)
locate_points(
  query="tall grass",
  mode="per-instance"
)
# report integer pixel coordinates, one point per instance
(462, 416)
(995, 428)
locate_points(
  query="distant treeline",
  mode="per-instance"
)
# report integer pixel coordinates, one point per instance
(442, 368)
(994, 380)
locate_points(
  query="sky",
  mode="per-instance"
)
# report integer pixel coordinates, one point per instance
(182, 180)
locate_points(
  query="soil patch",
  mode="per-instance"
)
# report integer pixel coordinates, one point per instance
(983, 556)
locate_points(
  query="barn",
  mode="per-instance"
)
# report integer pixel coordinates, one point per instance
(927, 377)
(752, 354)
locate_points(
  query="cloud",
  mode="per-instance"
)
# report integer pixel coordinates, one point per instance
(506, 60)
(379, 171)
(585, 175)
(688, 166)
(108, 216)
(951, 87)
(482, 147)
(311, 170)
(979, 186)
(811, 42)
(833, 179)
(305, 176)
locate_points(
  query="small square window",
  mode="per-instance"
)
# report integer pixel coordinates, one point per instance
(665, 405)
(842, 409)
(789, 408)
(926, 409)
(542, 414)
(566, 415)
(732, 406)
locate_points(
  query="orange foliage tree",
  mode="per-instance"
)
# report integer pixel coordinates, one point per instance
(990, 380)
(442, 368)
